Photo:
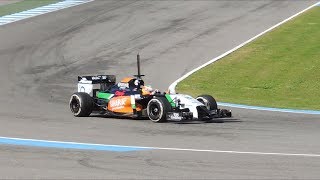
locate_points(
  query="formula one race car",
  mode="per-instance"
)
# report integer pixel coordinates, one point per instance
(131, 98)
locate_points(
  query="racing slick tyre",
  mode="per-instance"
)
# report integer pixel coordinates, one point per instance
(81, 104)
(157, 109)
(208, 101)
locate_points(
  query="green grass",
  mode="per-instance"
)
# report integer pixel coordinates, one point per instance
(280, 69)
(24, 5)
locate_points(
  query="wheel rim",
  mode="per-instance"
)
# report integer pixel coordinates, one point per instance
(75, 105)
(155, 110)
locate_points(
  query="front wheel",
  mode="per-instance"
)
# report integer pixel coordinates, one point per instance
(157, 109)
(81, 104)
(208, 101)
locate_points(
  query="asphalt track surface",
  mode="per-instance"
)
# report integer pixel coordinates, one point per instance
(41, 57)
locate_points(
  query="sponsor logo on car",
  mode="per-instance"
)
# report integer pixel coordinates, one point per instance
(118, 103)
(123, 85)
(175, 116)
(95, 78)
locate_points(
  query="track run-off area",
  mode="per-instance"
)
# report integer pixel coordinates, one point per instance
(42, 56)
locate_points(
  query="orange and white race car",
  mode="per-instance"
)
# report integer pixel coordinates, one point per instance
(131, 98)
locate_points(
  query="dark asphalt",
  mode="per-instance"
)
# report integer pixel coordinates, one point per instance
(41, 58)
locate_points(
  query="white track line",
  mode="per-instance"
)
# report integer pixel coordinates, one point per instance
(172, 87)
(236, 152)
(75, 145)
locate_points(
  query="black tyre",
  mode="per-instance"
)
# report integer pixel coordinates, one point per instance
(157, 109)
(208, 101)
(81, 104)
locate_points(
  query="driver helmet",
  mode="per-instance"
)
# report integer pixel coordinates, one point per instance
(147, 90)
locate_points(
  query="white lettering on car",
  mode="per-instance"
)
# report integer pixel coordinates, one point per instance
(123, 85)
(118, 103)
(175, 116)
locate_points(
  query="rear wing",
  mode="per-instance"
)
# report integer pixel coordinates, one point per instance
(90, 84)
(97, 79)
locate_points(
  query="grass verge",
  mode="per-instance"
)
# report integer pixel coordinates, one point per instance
(280, 69)
(23, 5)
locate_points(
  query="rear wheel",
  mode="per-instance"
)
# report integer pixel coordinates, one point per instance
(81, 104)
(157, 109)
(208, 101)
